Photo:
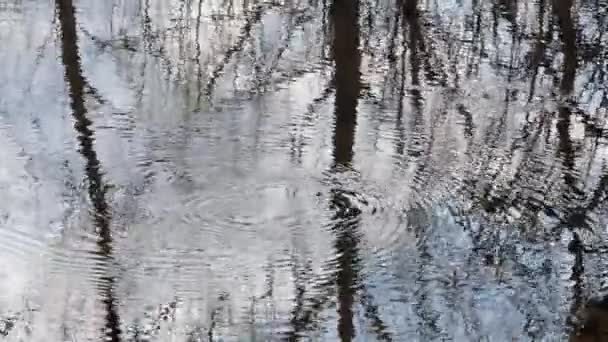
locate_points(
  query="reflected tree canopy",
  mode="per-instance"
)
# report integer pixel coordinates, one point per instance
(303, 170)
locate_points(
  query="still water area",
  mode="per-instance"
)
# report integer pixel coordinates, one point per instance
(303, 170)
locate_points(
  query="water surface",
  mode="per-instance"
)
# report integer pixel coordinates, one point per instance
(351, 170)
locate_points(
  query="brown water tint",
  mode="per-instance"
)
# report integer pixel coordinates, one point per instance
(348, 170)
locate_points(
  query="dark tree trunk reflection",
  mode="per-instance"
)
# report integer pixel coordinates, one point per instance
(96, 188)
(562, 10)
(347, 58)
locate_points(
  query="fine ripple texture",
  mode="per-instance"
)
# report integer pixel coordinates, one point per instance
(303, 171)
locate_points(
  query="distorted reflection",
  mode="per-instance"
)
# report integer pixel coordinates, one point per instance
(348, 170)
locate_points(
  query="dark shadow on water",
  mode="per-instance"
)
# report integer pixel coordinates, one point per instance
(76, 82)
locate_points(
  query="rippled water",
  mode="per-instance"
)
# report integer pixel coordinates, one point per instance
(350, 170)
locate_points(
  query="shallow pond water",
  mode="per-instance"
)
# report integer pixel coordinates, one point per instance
(240, 170)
